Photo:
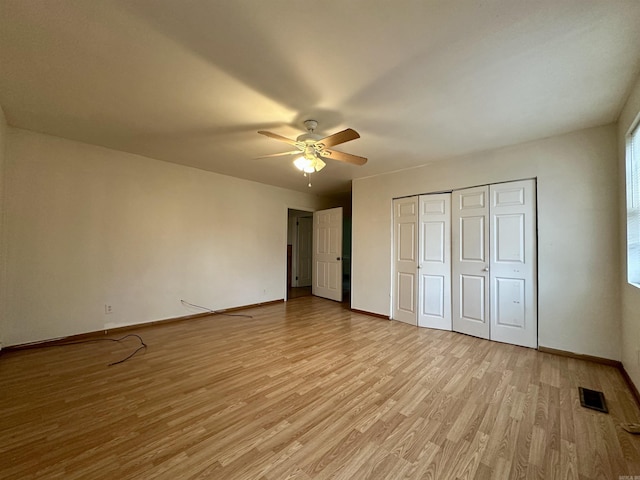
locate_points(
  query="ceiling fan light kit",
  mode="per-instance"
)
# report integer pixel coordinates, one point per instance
(309, 165)
(312, 148)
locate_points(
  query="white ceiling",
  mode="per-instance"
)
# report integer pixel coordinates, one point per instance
(421, 81)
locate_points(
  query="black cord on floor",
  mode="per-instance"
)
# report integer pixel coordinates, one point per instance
(92, 340)
(184, 302)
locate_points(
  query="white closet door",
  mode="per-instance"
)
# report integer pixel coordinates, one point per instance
(513, 263)
(405, 240)
(434, 262)
(470, 261)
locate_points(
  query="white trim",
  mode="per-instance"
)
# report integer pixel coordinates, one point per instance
(632, 202)
(633, 126)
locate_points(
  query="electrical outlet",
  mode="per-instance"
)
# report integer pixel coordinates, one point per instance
(108, 309)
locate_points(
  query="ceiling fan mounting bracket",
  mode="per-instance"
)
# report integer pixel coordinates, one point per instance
(311, 125)
(308, 138)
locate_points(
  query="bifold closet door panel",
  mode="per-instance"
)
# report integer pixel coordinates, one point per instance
(434, 261)
(512, 285)
(470, 261)
(405, 259)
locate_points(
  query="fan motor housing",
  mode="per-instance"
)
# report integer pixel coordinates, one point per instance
(308, 138)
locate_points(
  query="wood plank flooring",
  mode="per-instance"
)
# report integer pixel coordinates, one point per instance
(309, 390)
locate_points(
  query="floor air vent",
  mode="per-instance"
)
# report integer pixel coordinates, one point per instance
(592, 399)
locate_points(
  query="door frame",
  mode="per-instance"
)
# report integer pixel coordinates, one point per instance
(287, 208)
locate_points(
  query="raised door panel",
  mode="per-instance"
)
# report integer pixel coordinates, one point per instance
(472, 239)
(405, 293)
(509, 302)
(434, 245)
(509, 238)
(433, 296)
(472, 305)
(322, 272)
(472, 199)
(406, 242)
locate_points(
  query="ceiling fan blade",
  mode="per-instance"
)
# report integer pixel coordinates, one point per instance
(343, 157)
(281, 154)
(275, 136)
(340, 137)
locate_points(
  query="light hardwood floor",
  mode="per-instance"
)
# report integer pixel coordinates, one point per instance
(309, 390)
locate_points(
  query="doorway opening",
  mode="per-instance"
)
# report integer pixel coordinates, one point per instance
(319, 254)
(299, 253)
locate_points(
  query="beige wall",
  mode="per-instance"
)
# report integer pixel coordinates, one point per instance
(3, 136)
(578, 248)
(630, 293)
(88, 226)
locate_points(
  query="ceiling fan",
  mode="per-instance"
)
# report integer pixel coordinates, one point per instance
(312, 148)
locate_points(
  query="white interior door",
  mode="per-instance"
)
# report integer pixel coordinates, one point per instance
(513, 263)
(405, 240)
(470, 261)
(434, 261)
(327, 254)
(305, 251)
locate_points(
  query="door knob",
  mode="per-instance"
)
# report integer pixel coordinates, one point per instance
(485, 269)
(338, 258)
